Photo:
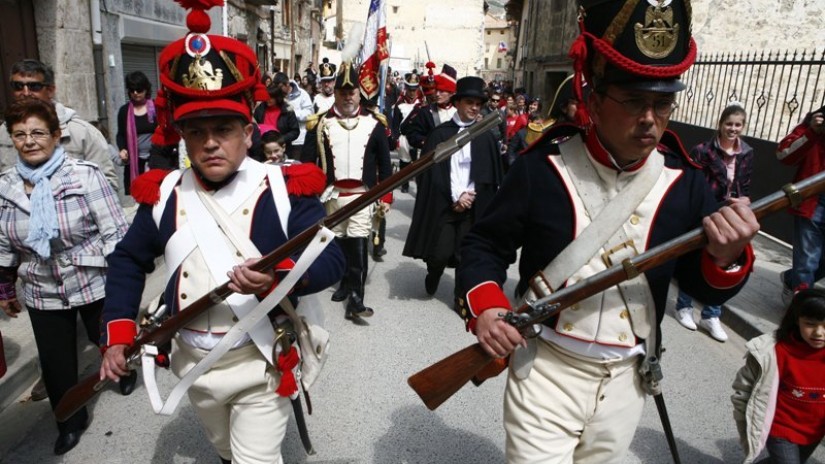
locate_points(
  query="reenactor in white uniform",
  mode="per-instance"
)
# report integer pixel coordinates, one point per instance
(351, 146)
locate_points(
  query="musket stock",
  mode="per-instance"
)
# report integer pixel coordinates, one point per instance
(84, 391)
(436, 383)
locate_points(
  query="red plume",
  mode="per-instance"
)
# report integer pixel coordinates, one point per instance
(197, 20)
(430, 66)
(199, 4)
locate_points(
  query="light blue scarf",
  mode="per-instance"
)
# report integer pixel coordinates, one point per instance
(43, 225)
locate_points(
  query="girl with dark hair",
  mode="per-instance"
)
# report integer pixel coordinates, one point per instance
(274, 115)
(136, 123)
(779, 394)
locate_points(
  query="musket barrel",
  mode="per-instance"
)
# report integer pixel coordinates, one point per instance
(436, 383)
(82, 392)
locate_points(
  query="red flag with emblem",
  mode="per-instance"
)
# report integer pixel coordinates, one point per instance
(375, 51)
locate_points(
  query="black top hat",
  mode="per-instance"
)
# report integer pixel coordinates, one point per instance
(470, 86)
(347, 77)
(326, 70)
(643, 44)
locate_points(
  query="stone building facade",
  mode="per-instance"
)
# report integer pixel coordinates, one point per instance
(499, 49)
(450, 29)
(548, 27)
(93, 44)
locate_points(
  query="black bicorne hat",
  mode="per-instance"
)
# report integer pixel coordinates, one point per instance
(347, 77)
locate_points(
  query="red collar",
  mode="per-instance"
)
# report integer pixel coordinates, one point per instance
(600, 153)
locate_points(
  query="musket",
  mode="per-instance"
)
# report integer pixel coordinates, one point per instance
(81, 393)
(438, 382)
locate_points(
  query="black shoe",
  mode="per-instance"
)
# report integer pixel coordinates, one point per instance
(341, 294)
(68, 440)
(378, 253)
(431, 283)
(355, 319)
(405, 188)
(127, 383)
(226, 461)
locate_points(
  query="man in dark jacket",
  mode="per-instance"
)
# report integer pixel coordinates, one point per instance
(576, 392)
(453, 194)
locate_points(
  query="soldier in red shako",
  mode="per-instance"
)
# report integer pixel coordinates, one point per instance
(205, 220)
(576, 392)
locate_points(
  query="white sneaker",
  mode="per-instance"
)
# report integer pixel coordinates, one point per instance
(685, 317)
(714, 328)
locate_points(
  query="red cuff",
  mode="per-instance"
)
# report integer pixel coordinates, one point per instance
(120, 332)
(387, 198)
(718, 277)
(484, 296)
(281, 269)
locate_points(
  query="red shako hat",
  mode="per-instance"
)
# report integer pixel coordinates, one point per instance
(204, 75)
(445, 81)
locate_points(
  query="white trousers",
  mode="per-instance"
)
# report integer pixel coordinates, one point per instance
(359, 225)
(572, 409)
(236, 401)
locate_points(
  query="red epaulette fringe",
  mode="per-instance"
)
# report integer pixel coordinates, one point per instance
(145, 189)
(304, 179)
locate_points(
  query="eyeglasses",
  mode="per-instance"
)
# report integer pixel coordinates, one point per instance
(637, 106)
(136, 90)
(33, 86)
(36, 135)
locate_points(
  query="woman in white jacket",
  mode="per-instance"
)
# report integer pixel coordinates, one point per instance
(779, 394)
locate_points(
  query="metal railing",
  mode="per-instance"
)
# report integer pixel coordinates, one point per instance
(776, 89)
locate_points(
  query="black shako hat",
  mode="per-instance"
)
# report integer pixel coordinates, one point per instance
(470, 86)
(641, 44)
(326, 70)
(412, 80)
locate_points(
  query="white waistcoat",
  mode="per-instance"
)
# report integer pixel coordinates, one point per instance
(348, 139)
(604, 318)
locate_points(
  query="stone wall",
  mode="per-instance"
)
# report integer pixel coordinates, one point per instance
(64, 41)
(730, 25)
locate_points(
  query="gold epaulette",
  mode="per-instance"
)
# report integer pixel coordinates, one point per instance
(313, 119)
(535, 129)
(380, 117)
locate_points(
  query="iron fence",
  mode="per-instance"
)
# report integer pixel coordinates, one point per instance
(776, 88)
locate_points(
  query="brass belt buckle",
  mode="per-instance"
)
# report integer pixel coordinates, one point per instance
(625, 245)
(629, 268)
